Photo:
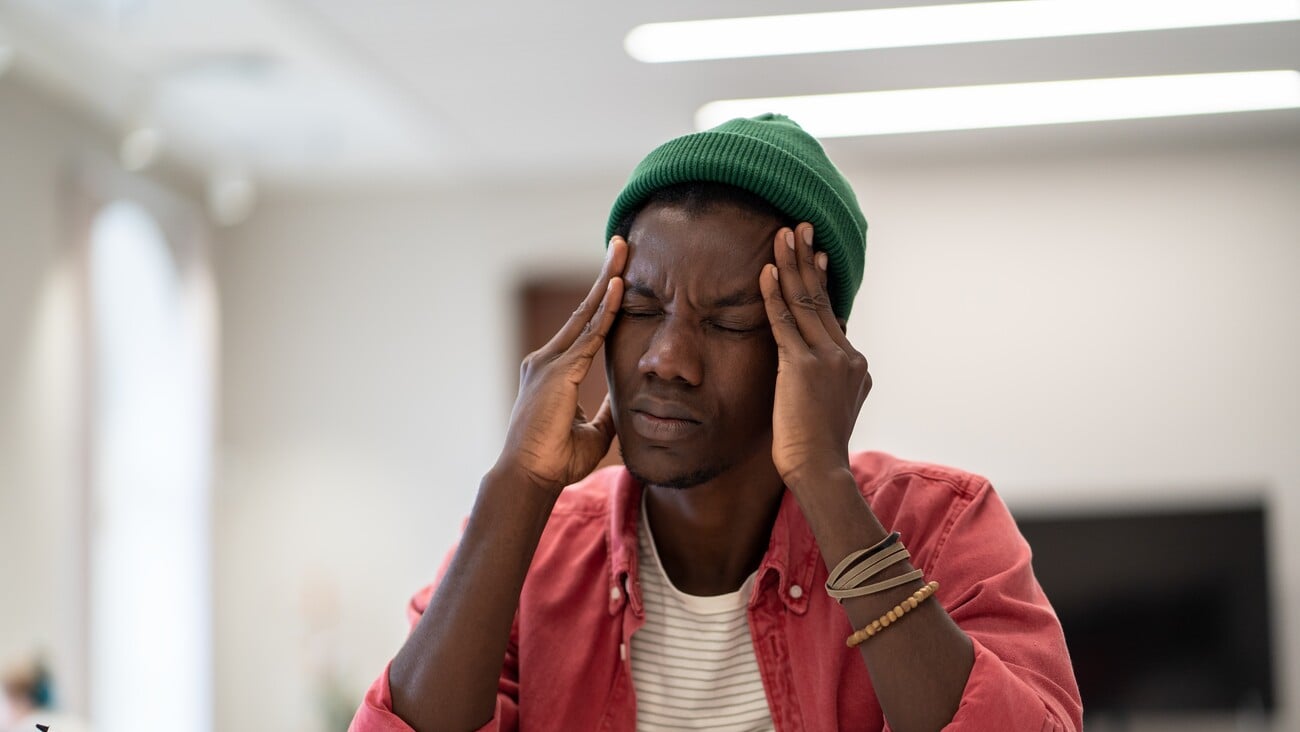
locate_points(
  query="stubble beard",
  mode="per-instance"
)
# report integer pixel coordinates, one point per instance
(678, 481)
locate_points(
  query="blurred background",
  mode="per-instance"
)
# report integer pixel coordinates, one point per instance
(267, 269)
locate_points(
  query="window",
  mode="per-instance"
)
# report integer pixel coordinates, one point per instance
(149, 564)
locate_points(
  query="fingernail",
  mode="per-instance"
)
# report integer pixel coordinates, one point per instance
(776, 273)
(807, 236)
(789, 239)
(821, 261)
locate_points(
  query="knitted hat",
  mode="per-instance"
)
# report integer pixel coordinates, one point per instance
(772, 157)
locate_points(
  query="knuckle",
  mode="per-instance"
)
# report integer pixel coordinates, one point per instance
(805, 300)
(536, 360)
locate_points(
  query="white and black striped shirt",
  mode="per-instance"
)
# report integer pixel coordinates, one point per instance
(693, 663)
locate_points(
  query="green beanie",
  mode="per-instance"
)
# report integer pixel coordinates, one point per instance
(773, 158)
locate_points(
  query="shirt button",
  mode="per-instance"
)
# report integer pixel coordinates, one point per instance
(613, 594)
(796, 591)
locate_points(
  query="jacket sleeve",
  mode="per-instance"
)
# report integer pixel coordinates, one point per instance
(1021, 678)
(376, 711)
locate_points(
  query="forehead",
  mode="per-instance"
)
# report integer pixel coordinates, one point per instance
(719, 248)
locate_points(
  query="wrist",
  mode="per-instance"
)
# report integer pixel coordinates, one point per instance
(840, 518)
(508, 472)
(519, 487)
(812, 478)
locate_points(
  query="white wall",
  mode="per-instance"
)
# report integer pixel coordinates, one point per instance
(1080, 328)
(56, 168)
(42, 588)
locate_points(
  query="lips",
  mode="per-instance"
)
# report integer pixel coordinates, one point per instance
(663, 421)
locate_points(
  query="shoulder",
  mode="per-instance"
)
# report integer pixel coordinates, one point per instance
(577, 532)
(882, 476)
(589, 497)
(573, 546)
(923, 501)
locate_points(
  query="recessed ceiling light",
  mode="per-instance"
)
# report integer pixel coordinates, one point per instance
(779, 35)
(1014, 105)
(140, 148)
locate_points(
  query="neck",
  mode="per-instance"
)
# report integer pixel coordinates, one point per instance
(712, 536)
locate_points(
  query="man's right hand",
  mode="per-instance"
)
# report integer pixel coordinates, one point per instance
(551, 443)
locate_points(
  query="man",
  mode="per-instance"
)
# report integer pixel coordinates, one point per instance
(685, 591)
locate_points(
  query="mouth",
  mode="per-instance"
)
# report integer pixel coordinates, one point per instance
(663, 425)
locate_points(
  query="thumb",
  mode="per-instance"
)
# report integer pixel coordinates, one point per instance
(604, 421)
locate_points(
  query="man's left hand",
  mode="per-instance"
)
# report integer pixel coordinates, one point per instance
(821, 379)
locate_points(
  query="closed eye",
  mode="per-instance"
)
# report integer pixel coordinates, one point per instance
(733, 328)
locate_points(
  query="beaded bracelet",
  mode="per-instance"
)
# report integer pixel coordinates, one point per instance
(892, 616)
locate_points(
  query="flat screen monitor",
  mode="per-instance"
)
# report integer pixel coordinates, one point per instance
(1164, 612)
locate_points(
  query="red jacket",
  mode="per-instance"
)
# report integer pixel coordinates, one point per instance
(567, 665)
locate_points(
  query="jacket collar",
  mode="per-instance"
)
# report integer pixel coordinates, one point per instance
(792, 555)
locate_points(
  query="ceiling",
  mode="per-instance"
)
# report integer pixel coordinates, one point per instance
(311, 92)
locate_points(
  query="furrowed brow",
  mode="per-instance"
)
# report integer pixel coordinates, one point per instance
(738, 299)
(640, 288)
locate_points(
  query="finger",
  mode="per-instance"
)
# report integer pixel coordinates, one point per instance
(798, 268)
(604, 421)
(594, 438)
(593, 337)
(817, 265)
(784, 328)
(615, 260)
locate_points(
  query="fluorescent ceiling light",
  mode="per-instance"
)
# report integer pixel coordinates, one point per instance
(779, 35)
(1014, 105)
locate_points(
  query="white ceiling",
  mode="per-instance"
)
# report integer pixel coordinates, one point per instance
(303, 92)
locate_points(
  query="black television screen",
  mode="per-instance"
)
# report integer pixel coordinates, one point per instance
(1164, 612)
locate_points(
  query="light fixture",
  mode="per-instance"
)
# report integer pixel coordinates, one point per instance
(231, 196)
(140, 148)
(1014, 105)
(779, 35)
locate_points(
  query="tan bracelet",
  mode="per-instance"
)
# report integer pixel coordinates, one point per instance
(892, 616)
(881, 586)
(843, 567)
(896, 554)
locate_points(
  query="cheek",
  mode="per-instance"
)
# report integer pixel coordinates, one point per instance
(623, 348)
(747, 373)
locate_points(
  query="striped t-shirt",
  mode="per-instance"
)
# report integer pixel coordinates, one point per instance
(693, 662)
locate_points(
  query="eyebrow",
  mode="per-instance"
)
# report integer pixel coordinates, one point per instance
(736, 299)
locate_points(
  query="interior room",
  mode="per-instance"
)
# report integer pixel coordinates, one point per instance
(263, 268)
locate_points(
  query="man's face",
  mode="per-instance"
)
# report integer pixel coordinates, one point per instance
(691, 361)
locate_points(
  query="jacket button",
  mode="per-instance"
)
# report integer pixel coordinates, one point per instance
(796, 591)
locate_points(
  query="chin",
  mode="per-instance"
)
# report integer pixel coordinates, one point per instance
(666, 469)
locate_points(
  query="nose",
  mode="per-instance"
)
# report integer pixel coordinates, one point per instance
(673, 352)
